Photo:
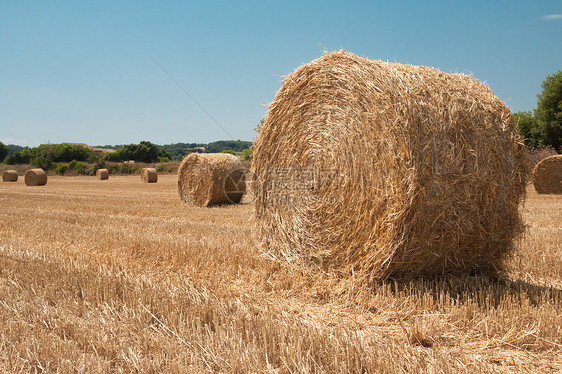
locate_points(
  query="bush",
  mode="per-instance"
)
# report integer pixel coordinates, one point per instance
(96, 160)
(170, 169)
(72, 164)
(247, 154)
(60, 169)
(160, 168)
(9, 160)
(40, 162)
(80, 167)
(125, 168)
(228, 151)
(113, 169)
(163, 159)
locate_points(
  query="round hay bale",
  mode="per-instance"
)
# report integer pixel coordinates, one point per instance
(10, 176)
(381, 169)
(35, 177)
(102, 174)
(149, 175)
(547, 175)
(206, 179)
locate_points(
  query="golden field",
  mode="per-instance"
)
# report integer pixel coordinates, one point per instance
(119, 276)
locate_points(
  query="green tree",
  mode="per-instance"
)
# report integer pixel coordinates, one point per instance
(13, 148)
(549, 110)
(232, 145)
(142, 152)
(3, 151)
(529, 127)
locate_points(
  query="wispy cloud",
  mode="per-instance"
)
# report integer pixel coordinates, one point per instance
(550, 17)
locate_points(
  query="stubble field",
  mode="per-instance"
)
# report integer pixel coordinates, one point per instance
(119, 276)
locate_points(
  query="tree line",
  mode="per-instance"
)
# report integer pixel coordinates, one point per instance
(46, 155)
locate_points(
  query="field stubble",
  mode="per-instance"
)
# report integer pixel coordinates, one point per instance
(119, 276)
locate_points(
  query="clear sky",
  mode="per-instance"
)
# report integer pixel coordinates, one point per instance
(85, 71)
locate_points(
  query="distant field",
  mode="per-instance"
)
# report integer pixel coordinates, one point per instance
(111, 276)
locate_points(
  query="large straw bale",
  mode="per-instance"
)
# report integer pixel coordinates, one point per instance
(382, 169)
(35, 177)
(149, 175)
(547, 175)
(206, 179)
(102, 174)
(10, 176)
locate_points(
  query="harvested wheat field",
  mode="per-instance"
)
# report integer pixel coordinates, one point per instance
(122, 277)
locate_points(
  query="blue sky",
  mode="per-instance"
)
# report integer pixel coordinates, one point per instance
(77, 71)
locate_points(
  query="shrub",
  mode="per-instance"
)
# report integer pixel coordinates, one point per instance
(40, 162)
(80, 167)
(228, 151)
(160, 168)
(125, 168)
(170, 169)
(10, 160)
(113, 169)
(247, 154)
(60, 169)
(72, 164)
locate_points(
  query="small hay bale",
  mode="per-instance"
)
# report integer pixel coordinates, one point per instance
(35, 177)
(10, 176)
(206, 179)
(102, 174)
(149, 175)
(381, 169)
(547, 175)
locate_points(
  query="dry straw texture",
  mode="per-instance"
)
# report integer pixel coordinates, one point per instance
(10, 176)
(35, 177)
(102, 174)
(211, 179)
(547, 175)
(149, 175)
(382, 169)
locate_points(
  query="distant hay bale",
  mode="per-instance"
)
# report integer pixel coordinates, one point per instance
(547, 175)
(206, 179)
(10, 176)
(149, 175)
(102, 174)
(35, 177)
(382, 169)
